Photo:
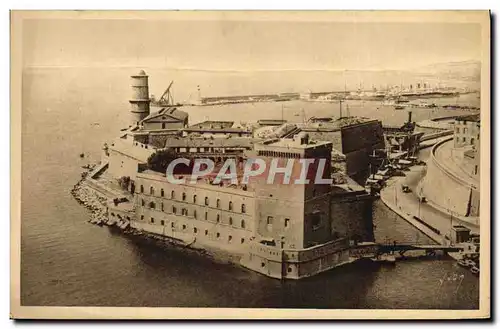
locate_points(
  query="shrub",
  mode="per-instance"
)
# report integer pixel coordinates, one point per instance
(124, 182)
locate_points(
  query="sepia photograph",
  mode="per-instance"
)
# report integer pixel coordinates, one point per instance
(250, 165)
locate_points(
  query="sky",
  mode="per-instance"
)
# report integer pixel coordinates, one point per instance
(246, 45)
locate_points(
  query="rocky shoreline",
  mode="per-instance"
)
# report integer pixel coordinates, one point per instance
(96, 204)
(91, 200)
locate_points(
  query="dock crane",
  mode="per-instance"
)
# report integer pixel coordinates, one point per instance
(166, 98)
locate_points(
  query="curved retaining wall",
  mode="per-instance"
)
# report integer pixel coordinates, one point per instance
(444, 188)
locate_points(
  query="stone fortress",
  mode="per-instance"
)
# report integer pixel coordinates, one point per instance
(280, 230)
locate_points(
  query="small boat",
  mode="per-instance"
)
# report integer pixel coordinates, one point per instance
(82, 155)
(474, 270)
(462, 263)
(399, 107)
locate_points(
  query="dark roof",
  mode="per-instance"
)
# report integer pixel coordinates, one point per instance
(472, 117)
(242, 142)
(170, 114)
(271, 122)
(213, 124)
(219, 131)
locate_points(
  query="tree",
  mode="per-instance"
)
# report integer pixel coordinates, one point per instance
(160, 160)
(124, 182)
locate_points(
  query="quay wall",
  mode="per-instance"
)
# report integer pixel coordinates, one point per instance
(447, 190)
(352, 217)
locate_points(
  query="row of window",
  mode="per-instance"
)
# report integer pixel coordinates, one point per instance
(465, 139)
(185, 212)
(274, 154)
(195, 199)
(464, 130)
(270, 220)
(195, 229)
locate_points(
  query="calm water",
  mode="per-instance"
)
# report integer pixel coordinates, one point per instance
(67, 261)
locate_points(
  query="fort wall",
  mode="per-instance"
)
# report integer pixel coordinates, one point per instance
(448, 190)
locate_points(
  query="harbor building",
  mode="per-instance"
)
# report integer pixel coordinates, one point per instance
(165, 118)
(466, 130)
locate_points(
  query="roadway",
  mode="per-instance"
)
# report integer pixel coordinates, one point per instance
(408, 204)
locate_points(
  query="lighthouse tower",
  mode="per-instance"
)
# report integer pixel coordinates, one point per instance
(140, 97)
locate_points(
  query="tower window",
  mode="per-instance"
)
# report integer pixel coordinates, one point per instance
(174, 209)
(206, 232)
(270, 220)
(218, 235)
(194, 198)
(195, 215)
(229, 238)
(230, 220)
(183, 196)
(206, 201)
(142, 217)
(172, 195)
(142, 188)
(152, 220)
(218, 218)
(162, 208)
(218, 203)
(242, 223)
(152, 205)
(143, 203)
(162, 222)
(242, 240)
(195, 230)
(287, 222)
(230, 205)
(206, 215)
(243, 208)
(162, 192)
(151, 190)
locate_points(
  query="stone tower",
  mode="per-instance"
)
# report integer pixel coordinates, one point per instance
(140, 97)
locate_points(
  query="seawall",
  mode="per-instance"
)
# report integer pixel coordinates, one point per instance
(446, 189)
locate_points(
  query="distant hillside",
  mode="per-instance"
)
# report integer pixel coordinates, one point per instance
(465, 71)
